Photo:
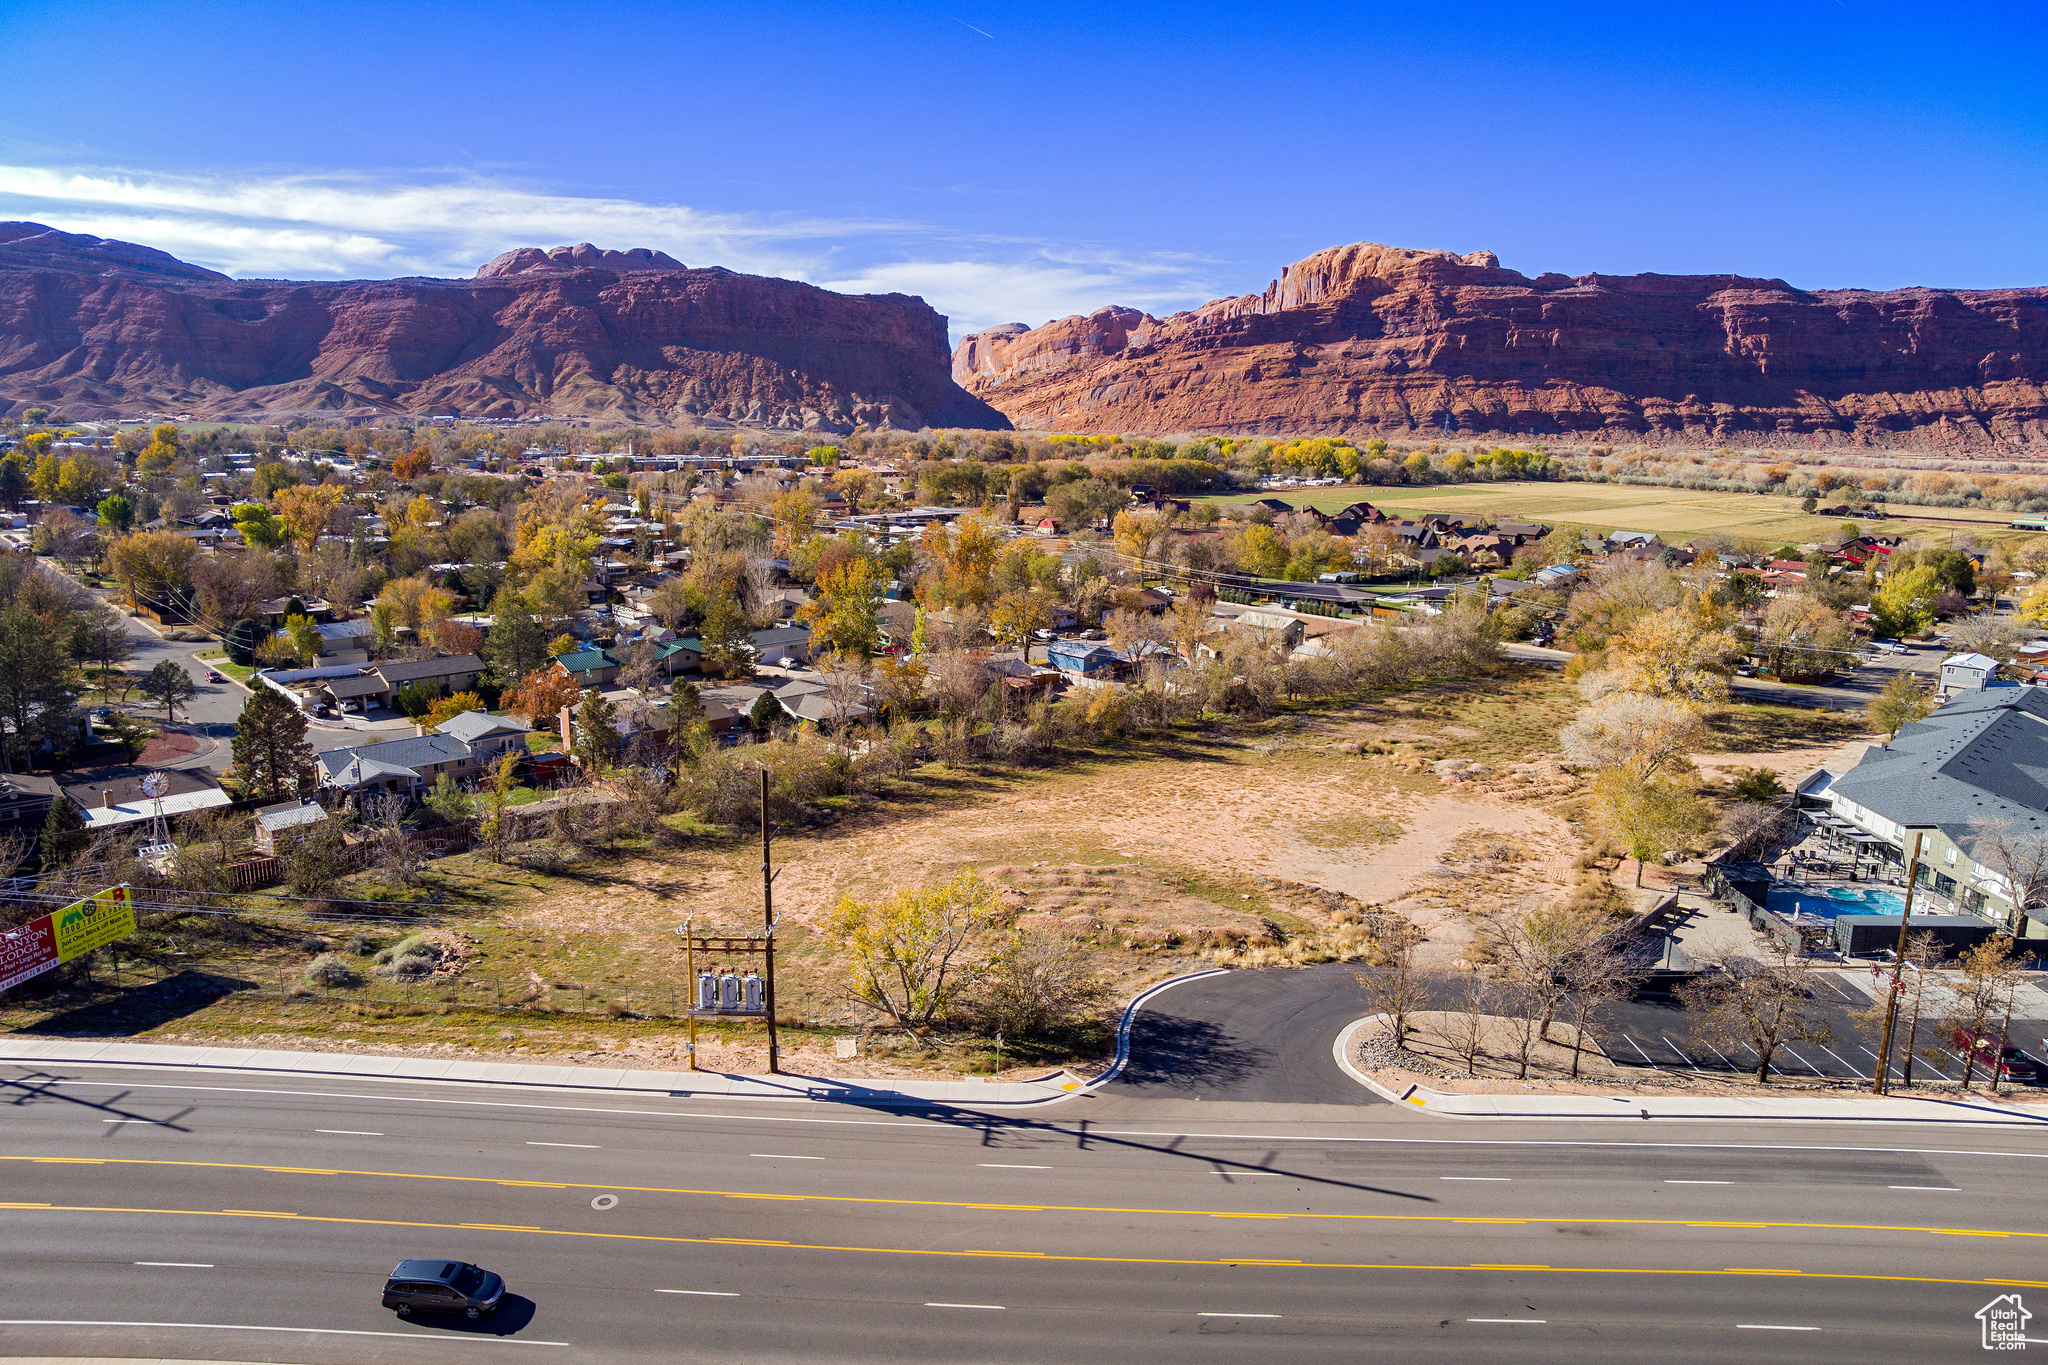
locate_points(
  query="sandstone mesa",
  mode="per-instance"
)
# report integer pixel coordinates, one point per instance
(1365, 339)
(109, 329)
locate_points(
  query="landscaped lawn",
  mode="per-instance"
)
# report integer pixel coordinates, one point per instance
(1679, 513)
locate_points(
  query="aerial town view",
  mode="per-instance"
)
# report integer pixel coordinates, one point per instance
(812, 683)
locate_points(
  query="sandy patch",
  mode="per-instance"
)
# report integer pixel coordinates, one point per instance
(1788, 764)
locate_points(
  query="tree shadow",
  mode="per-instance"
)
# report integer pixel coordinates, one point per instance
(141, 1008)
(1171, 1055)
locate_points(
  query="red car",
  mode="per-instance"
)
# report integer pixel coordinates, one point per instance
(214, 676)
(2013, 1065)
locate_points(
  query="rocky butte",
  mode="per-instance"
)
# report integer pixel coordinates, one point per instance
(102, 328)
(1364, 339)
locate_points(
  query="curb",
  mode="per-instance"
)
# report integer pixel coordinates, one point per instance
(1456, 1105)
(590, 1081)
(1123, 1028)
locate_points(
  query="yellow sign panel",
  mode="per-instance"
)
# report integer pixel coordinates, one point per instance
(93, 922)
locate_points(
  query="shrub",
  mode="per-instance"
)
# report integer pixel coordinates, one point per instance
(1758, 784)
(333, 971)
(313, 943)
(362, 945)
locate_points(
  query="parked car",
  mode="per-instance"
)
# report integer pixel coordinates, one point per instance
(442, 1287)
(2013, 1065)
(213, 675)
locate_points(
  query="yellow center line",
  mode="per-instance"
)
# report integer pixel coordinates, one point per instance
(1053, 1208)
(646, 1237)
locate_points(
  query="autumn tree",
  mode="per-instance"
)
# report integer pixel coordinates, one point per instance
(448, 708)
(1017, 614)
(541, 695)
(1673, 654)
(304, 510)
(154, 568)
(1648, 815)
(846, 617)
(1626, 729)
(1902, 702)
(910, 956)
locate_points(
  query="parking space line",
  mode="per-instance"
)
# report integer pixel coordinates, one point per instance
(1639, 1051)
(1844, 1061)
(1681, 1054)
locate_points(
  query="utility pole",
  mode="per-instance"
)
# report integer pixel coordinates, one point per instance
(768, 929)
(1879, 1084)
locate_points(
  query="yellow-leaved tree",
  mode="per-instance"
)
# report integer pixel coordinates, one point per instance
(910, 957)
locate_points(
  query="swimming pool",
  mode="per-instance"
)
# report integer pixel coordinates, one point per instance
(1826, 903)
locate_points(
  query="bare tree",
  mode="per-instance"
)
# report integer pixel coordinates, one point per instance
(1601, 970)
(1396, 988)
(1977, 997)
(1749, 826)
(2018, 855)
(1758, 1003)
(1465, 1027)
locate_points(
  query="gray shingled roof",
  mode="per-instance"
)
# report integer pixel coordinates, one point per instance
(415, 752)
(411, 670)
(471, 726)
(1981, 758)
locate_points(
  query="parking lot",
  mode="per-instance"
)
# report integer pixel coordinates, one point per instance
(1651, 1032)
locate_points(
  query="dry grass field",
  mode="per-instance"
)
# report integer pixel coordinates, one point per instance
(1674, 513)
(1260, 842)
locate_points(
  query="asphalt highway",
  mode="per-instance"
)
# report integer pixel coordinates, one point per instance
(224, 1215)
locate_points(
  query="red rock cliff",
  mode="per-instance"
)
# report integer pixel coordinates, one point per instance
(1363, 339)
(104, 329)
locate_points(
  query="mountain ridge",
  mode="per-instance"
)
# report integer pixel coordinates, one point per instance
(1369, 339)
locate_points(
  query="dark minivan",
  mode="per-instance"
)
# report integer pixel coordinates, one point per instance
(442, 1287)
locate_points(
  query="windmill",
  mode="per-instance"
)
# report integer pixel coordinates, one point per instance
(157, 849)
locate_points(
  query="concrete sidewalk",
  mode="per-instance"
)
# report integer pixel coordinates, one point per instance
(1975, 1111)
(670, 1084)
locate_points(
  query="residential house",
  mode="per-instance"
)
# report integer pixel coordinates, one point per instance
(782, 644)
(25, 801)
(450, 675)
(588, 667)
(113, 796)
(1967, 673)
(1271, 627)
(487, 736)
(405, 765)
(1083, 660)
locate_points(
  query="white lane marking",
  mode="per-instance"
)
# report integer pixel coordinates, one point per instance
(1640, 1053)
(1681, 1055)
(783, 1156)
(1939, 1189)
(1771, 1327)
(1049, 1127)
(1533, 1322)
(1237, 1315)
(1844, 1061)
(1006, 1166)
(247, 1327)
(346, 1132)
(587, 1146)
(990, 1307)
(149, 1121)
(701, 1293)
(1476, 1177)
(181, 1265)
(1699, 1182)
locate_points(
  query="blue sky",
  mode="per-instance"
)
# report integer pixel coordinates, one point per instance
(1021, 162)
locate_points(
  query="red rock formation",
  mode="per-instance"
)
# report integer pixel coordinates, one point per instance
(1366, 339)
(106, 329)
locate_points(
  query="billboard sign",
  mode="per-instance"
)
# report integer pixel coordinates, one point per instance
(34, 948)
(93, 922)
(26, 951)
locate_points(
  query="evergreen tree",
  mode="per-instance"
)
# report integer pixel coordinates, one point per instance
(272, 755)
(726, 645)
(518, 642)
(597, 732)
(35, 676)
(63, 832)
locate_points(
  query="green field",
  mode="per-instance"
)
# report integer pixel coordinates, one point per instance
(1674, 513)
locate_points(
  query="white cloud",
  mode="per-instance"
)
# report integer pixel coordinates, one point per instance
(357, 226)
